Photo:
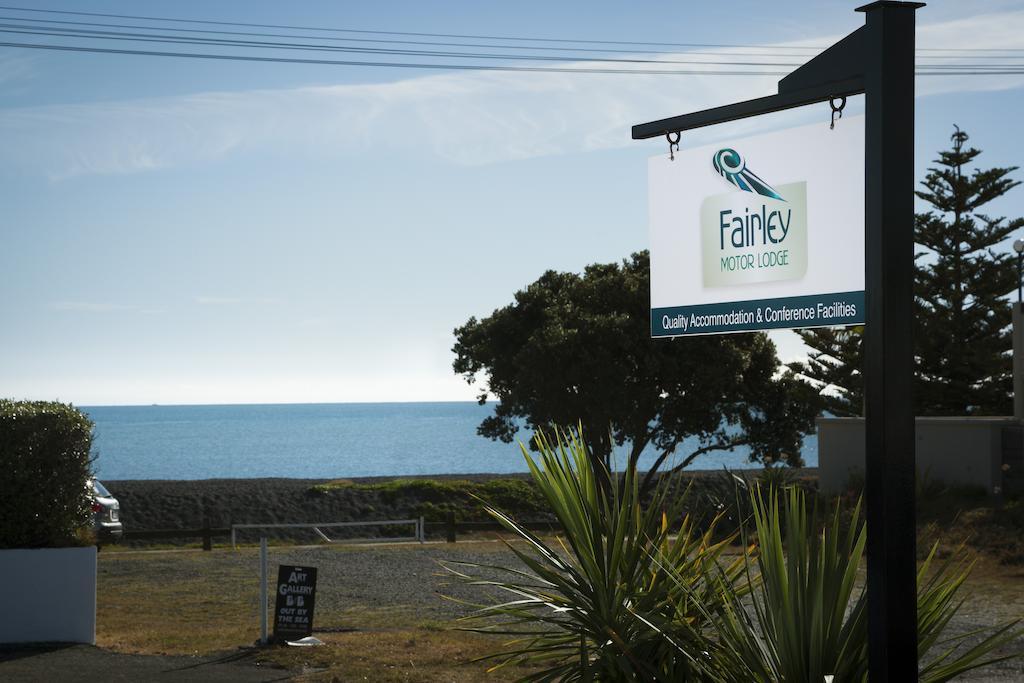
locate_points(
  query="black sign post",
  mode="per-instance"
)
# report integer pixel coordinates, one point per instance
(293, 606)
(878, 61)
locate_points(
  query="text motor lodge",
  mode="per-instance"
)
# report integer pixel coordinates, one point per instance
(748, 238)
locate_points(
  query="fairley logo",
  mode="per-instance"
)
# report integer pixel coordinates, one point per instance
(731, 166)
(758, 234)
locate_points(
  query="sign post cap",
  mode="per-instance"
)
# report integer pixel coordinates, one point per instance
(880, 4)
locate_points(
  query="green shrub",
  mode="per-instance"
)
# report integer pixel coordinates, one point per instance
(806, 618)
(600, 603)
(725, 493)
(44, 466)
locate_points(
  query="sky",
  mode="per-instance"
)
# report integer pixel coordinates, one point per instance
(182, 231)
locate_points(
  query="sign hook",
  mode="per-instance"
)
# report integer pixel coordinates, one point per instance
(837, 111)
(673, 144)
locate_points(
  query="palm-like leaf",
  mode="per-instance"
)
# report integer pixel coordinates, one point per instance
(626, 596)
(805, 618)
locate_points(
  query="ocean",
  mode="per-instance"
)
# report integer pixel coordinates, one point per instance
(314, 441)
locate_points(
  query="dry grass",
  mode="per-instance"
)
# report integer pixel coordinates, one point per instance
(420, 655)
(180, 603)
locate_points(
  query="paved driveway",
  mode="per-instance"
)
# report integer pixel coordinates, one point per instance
(70, 663)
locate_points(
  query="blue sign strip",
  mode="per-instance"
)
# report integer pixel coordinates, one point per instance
(816, 310)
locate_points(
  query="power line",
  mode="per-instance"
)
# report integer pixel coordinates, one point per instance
(463, 67)
(34, 25)
(108, 35)
(388, 42)
(390, 33)
(209, 22)
(401, 65)
(30, 29)
(219, 42)
(604, 50)
(970, 49)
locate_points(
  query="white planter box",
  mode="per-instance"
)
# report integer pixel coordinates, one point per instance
(49, 595)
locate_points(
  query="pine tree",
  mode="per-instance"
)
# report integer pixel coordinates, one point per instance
(962, 335)
(962, 314)
(834, 365)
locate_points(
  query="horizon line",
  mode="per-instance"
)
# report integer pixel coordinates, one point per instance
(282, 403)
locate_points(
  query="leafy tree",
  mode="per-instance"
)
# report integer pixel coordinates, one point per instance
(576, 349)
(962, 316)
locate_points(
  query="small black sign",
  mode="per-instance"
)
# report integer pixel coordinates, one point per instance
(293, 607)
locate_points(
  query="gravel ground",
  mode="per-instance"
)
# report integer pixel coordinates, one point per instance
(405, 578)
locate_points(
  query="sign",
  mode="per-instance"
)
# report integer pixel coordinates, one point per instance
(293, 607)
(759, 233)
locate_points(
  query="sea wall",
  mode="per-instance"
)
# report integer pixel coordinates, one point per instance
(168, 504)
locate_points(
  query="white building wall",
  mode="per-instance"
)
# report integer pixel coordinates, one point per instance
(954, 450)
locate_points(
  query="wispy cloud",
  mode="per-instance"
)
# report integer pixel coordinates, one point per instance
(461, 118)
(16, 67)
(235, 301)
(91, 307)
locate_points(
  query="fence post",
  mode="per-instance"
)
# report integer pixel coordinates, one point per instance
(207, 537)
(422, 531)
(450, 527)
(263, 590)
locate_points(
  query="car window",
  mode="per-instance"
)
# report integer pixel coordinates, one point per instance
(100, 490)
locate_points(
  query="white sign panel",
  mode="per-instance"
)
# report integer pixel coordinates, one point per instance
(759, 233)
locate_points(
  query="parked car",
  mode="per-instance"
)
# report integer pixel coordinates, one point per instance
(106, 513)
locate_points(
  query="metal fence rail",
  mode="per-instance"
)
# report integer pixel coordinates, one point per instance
(450, 528)
(205, 533)
(417, 524)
